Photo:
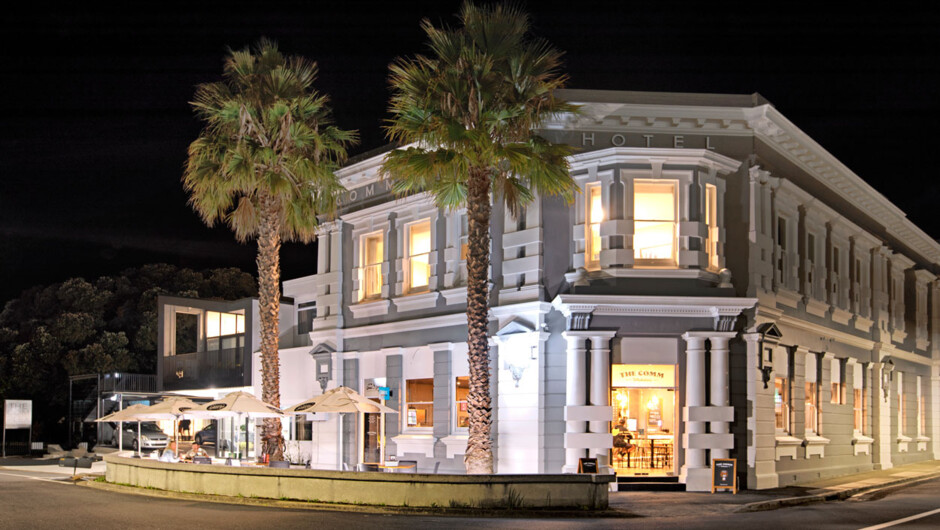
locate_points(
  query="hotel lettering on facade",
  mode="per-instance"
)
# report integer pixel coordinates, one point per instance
(723, 287)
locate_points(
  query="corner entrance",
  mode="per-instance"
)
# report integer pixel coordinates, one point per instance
(643, 397)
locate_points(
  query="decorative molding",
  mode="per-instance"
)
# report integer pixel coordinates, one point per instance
(457, 295)
(370, 309)
(455, 444)
(862, 444)
(422, 444)
(815, 445)
(413, 302)
(673, 157)
(785, 445)
(652, 306)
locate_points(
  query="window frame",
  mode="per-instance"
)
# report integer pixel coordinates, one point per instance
(457, 401)
(658, 263)
(409, 257)
(811, 401)
(429, 415)
(593, 242)
(305, 308)
(364, 267)
(785, 405)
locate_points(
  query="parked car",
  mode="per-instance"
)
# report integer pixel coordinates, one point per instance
(207, 435)
(151, 436)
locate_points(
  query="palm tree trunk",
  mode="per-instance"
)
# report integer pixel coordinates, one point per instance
(269, 305)
(479, 457)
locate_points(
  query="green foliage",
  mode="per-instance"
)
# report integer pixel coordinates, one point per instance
(109, 325)
(475, 102)
(269, 139)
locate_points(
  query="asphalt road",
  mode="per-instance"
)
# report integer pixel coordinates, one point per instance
(33, 499)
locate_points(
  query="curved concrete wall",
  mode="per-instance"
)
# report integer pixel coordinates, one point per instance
(390, 489)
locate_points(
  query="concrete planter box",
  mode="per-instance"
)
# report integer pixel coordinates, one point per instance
(349, 487)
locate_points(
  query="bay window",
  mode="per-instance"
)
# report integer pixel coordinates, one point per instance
(419, 252)
(595, 214)
(711, 222)
(224, 330)
(655, 223)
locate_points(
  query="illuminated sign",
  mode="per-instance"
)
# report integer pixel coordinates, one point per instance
(644, 375)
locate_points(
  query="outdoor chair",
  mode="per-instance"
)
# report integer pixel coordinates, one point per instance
(367, 467)
(409, 466)
(202, 460)
(282, 464)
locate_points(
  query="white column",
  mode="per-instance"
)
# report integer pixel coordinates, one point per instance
(575, 393)
(720, 393)
(694, 397)
(881, 416)
(600, 389)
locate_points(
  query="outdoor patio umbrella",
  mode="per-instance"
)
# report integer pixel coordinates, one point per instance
(128, 414)
(169, 409)
(341, 400)
(241, 404)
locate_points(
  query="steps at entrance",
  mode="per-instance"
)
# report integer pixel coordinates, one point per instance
(649, 483)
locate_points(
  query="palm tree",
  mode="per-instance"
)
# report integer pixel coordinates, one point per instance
(469, 110)
(264, 164)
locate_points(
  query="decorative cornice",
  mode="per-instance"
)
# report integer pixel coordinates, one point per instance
(678, 157)
(652, 306)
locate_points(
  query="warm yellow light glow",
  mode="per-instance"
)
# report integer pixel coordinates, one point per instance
(229, 324)
(419, 252)
(711, 219)
(595, 215)
(653, 403)
(240, 326)
(371, 267)
(213, 324)
(655, 221)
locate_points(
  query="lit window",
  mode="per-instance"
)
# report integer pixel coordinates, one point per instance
(419, 252)
(921, 410)
(419, 398)
(711, 220)
(838, 387)
(811, 403)
(462, 387)
(370, 271)
(224, 330)
(595, 214)
(860, 396)
(901, 410)
(654, 208)
(782, 403)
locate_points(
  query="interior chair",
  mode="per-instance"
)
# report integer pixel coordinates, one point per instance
(367, 467)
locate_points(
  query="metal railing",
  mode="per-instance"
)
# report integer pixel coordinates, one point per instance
(219, 368)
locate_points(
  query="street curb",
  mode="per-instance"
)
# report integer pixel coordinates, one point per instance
(838, 495)
(353, 508)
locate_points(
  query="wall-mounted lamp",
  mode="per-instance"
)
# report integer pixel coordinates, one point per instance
(887, 375)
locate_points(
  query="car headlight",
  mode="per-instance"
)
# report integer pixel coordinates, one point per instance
(144, 438)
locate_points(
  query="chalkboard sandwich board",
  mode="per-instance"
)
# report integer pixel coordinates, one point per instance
(587, 465)
(724, 474)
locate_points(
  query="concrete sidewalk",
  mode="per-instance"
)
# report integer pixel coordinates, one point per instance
(674, 504)
(50, 465)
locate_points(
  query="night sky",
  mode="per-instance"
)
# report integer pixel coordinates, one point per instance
(95, 119)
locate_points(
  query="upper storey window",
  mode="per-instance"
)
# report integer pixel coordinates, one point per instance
(224, 330)
(711, 221)
(655, 226)
(419, 252)
(595, 214)
(370, 268)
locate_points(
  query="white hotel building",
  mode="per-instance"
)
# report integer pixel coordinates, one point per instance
(723, 287)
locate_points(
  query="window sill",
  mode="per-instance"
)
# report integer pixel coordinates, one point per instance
(922, 443)
(903, 442)
(787, 297)
(414, 444)
(455, 444)
(861, 443)
(412, 302)
(841, 316)
(786, 446)
(816, 307)
(370, 308)
(815, 445)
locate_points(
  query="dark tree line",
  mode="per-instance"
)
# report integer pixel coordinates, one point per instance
(79, 327)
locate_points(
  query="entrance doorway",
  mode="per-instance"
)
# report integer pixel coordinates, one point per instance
(644, 420)
(371, 444)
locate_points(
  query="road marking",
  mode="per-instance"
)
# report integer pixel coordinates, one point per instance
(902, 521)
(60, 481)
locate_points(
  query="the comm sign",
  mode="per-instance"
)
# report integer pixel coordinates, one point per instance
(643, 375)
(17, 414)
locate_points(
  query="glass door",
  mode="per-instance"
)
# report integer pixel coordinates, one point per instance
(644, 429)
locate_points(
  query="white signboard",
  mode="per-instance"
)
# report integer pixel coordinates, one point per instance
(643, 375)
(17, 414)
